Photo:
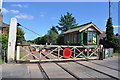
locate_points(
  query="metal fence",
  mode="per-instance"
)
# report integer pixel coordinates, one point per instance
(55, 53)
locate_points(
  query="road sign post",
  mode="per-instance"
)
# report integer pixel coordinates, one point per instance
(12, 40)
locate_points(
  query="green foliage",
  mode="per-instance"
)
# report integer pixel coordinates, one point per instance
(44, 40)
(31, 41)
(22, 55)
(60, 40)
(1, 61)
(67, 22)
(20, 35)
(116, 54)
(4, 40)
(54, 29)
(53, 35)
(109, 33)
(116, 44)
(41, 40)
(110, 41)
(4, 37)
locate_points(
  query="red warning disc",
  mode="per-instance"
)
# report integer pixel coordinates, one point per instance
(67, 53)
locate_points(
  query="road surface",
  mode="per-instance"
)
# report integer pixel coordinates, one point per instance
(92, 69)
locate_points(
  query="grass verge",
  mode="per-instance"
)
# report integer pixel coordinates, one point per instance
(1, 61)
(116, 54)
(22, 55)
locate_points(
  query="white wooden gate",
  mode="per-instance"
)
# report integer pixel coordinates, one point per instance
(54, 53)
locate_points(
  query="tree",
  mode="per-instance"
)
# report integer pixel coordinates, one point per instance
(60, 40)
(4, 41)
(109, 33)
(53, 35)
(111, 41)
(54, 29)
(116, 44)
(44, 39)
(41, 40)
(109, 29)
(67, 22)
(19, 36)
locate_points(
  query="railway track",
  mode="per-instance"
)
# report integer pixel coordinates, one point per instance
(79, 76)
(76, 70)
(71, 73)
(44, 74)
(110, 76)
(105, 66)
(81, 72)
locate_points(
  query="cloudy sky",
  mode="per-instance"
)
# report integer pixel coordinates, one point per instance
(41, 16)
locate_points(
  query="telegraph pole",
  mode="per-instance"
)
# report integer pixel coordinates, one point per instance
(109, 9)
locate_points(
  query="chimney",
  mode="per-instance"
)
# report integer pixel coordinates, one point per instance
(1, 17)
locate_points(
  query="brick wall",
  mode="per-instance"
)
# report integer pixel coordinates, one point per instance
(1, 17)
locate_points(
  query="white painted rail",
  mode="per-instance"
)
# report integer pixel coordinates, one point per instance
(55, 53)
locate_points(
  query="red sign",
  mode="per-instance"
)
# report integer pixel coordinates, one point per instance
(87, 50)
(44, 50)
(67, 53)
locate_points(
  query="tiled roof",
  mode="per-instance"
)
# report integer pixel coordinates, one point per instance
(81, 28)
(4, 25)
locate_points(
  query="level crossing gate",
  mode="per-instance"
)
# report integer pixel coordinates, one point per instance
(35, 53)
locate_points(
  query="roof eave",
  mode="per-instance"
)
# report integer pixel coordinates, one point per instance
(90, 26)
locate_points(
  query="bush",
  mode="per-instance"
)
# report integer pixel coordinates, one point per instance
(4, 41)
(60, 40)
(114, 43)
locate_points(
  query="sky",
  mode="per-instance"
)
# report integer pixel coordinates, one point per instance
(41, 16)
(59, 0)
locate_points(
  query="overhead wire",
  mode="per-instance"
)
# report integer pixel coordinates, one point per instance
(18, 24)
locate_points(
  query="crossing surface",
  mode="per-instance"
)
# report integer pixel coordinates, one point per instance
(74, 70)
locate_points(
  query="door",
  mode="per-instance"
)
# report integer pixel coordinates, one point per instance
(85, 38)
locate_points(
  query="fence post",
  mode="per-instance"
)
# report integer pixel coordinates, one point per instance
(74, 52)
(58, 51)
(40, 56)
(87, 52)
(18, 53)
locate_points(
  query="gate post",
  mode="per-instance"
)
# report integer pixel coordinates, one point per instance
(18, 53)
(59, 52)
(12, 40)
(1, 5)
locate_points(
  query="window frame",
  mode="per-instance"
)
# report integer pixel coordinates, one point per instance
(92, 37)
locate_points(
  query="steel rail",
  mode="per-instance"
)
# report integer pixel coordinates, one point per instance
(98, 71)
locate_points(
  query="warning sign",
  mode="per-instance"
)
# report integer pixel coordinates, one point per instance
(67, 52)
